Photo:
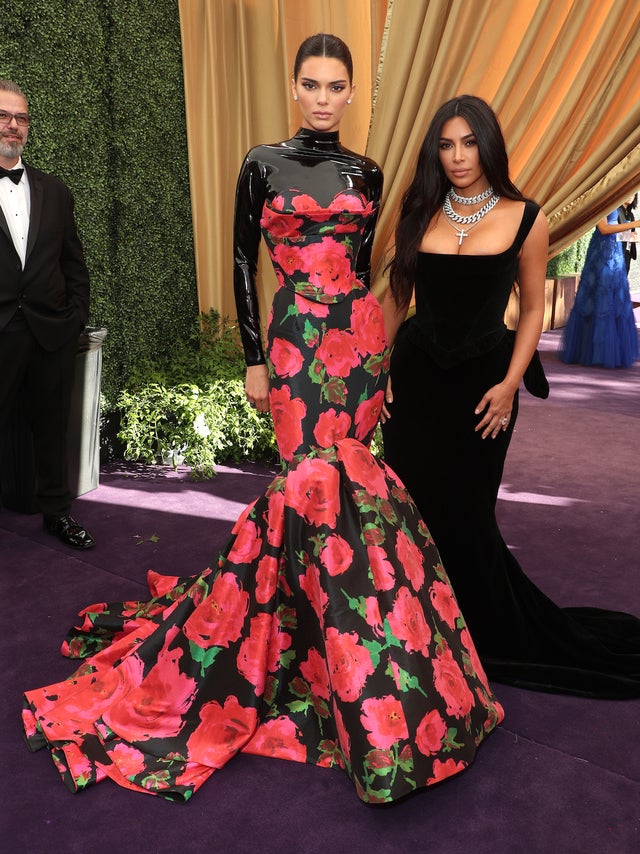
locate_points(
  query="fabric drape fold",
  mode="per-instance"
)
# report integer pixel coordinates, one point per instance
(562, 77)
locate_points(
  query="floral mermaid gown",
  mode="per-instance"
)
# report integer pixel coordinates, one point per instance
(328, 633)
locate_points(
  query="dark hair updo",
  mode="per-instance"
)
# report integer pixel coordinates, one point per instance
(323, 44)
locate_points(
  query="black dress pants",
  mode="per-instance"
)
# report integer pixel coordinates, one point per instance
(44, 381)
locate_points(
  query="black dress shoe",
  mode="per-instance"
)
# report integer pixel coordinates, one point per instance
(69, 531)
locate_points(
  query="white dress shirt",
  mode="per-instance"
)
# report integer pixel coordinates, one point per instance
(15, 201)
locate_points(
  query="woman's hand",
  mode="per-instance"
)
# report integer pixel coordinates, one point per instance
(256, 387)
(385, 415)
(495, 406)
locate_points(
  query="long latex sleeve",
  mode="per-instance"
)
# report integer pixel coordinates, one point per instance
(363, 262)
(250, 194)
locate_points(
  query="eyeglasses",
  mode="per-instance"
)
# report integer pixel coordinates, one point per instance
(22, 119)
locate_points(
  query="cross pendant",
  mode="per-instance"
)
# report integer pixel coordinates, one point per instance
(460, 234)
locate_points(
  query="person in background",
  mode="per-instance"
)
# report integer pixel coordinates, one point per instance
(601, 328)
(44, 306)
(625, 214)
(330, 634)
(464, 236)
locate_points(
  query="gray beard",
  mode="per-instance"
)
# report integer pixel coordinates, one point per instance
(11, 149)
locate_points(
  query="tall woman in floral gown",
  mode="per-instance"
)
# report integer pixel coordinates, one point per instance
(329, 633)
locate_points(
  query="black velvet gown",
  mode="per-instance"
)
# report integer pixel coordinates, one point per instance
(448, 354)
(327, 632)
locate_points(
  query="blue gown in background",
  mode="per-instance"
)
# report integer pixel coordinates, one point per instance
(601, 329)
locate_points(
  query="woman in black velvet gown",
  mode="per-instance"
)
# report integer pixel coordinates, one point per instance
(465, 235)
(328, 633)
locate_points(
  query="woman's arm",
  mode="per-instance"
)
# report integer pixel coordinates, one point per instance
(393, 317)
(246, 243)
(363, 261)
(497, 403)
(606, 227)
(532, 270)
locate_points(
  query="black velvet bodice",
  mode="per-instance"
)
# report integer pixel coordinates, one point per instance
(314, 163)
(461, 299)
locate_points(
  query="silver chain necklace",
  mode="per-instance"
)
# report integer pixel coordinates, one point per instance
(471, 200)
(472, 219)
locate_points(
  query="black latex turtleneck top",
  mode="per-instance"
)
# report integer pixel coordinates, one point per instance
(312, 162)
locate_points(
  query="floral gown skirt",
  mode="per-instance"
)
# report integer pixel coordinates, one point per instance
(328, 633)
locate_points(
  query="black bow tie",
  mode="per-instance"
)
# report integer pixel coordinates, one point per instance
(14, 174)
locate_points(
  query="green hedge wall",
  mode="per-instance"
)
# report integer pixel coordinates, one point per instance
(571, 260)
(105, 88)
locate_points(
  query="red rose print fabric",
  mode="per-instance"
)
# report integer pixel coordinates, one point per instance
(329, 632)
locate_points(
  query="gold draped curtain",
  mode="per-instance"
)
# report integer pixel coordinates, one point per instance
(562, 75)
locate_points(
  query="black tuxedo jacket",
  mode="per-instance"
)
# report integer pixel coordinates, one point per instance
(53, 288)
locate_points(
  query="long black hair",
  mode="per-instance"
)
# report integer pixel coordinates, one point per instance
(426, 193)
(323, 44)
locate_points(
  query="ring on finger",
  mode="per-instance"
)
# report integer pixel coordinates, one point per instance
(504, 420)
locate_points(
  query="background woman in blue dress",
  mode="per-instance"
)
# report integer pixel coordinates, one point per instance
(601, 329)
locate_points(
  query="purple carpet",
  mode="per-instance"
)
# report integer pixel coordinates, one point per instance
(561, 774)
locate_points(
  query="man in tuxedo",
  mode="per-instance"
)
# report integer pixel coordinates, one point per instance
(44, 306)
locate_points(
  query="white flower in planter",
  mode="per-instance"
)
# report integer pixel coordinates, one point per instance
(200, 426)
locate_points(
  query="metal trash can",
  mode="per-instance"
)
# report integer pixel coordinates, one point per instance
(17, 471)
